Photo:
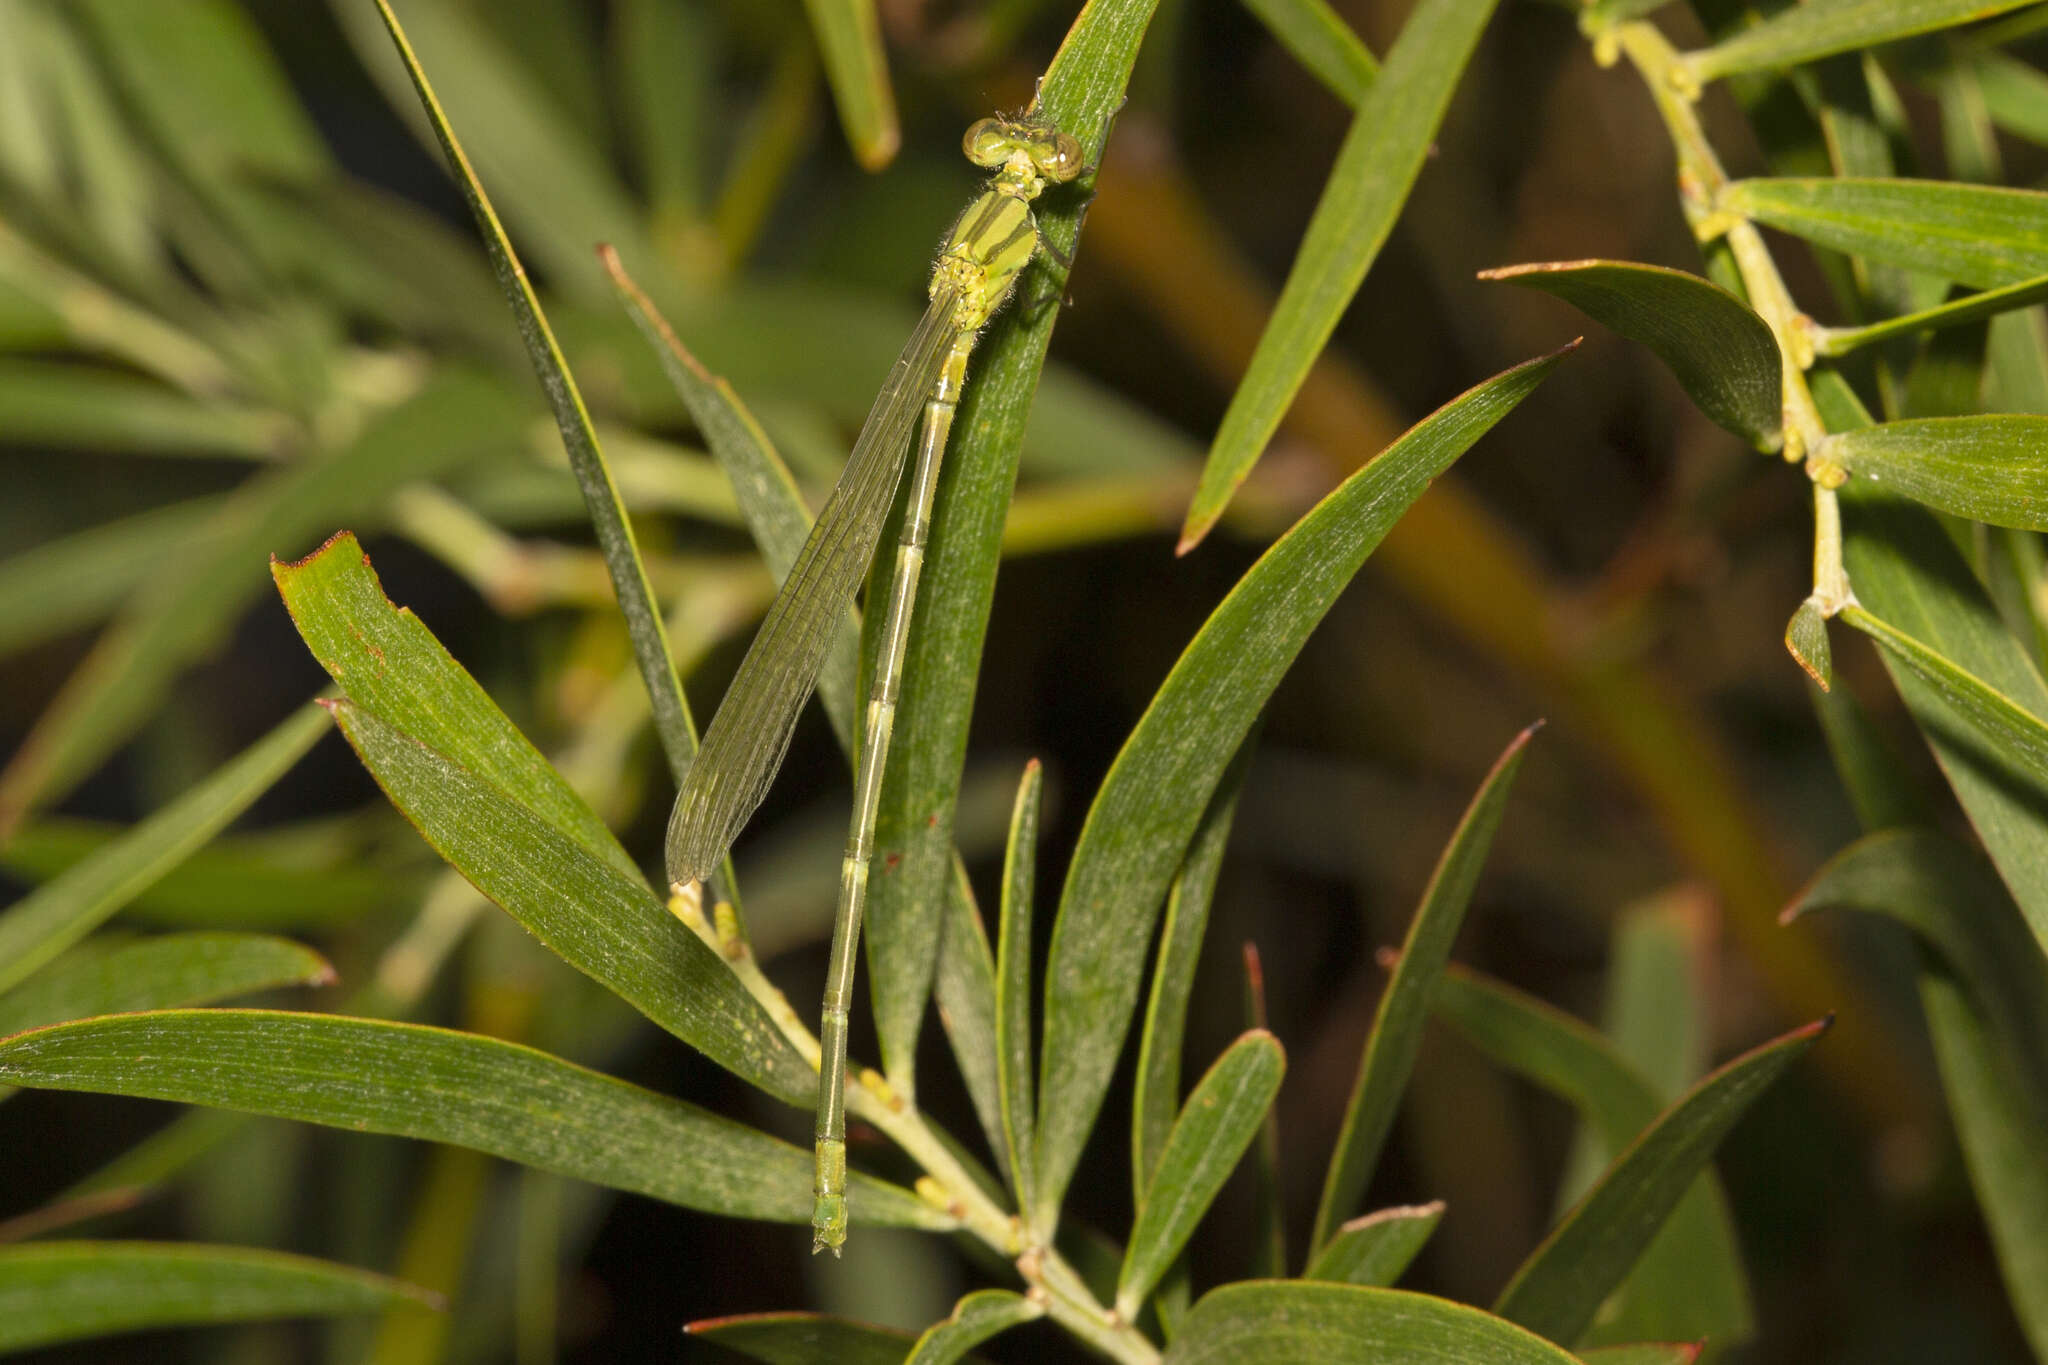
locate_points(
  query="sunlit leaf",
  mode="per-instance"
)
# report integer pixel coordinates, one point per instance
(369, 1075)
(975, 1319)
(1818, 28)
(1988, 467)
(1376, 1248)
(1980, 235)
(1151, 803)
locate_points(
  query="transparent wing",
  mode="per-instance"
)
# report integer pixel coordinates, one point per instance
(750, 734)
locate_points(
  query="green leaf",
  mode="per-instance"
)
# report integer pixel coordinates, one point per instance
(255, 883)
(438, 1085)
(1151, 803)
(1987, 1010)
(1715, 345)
(597, 918)
(1377, 1248)
(53, 1292)
(1953, 901)
(1561, 1285)
(1960, 671)
(1155, 1095)
(1396, 1036)
(805, 1339)
(1806, 640)
(1079, 94)
(1689, 1282)
(159, 973)
(59, 913)
(199, 76)
(2015, 94)
(600, 495)
(975, 1319)
(1377, 165)
(964, 984)
(1219, 1121)
(1285, 1322)
(75, 407)
(191, 600)
(1013, 983)
(556, 187)
(387, 661)
(766, 491)
(664, 61)
(1317, 36)
(79, 578)
(849, 34)
(1988, 467)
(1984, 236)
(1835, 341)
(1268, 1259)
(1818, 28)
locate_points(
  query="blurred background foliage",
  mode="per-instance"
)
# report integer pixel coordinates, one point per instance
(241, 308)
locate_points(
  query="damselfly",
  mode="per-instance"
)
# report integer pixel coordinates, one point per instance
(978, 267)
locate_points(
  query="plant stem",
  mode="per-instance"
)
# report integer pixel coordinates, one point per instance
(1066, 1296)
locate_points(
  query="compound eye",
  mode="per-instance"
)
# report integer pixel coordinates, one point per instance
(1059, 159)
(987, 143)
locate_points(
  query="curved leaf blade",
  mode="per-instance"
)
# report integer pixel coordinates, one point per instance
(975, 1319)
(1820, 28)
(849, 36)
(438, 1085)
(805, 1339)
(1218, 1123)
(601, 921)
(1013, 982)
(1561, 1285)
(1989, 467)
(1722, 354)
(1376, 167)
(1984, 236)
(1284, 1322)
(387, 660)
(59, 913)
(1396, 1036)
(159, 973)
(1152, 800)
(1376, 1249)
(64, 1291)
(1317, 36)
(1836, 341)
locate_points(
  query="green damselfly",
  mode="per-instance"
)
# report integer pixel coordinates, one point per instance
(978, 267)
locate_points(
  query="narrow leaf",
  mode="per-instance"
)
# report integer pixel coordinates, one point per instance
(1715, 345)
(1645, 1353)
(1221, 1118)
(600, 495)
(79, 578)
(59, 913)
(1396, 1035)
(438, 1085)
(53, 1292)
(964, 985)
(1317, 36)
(1988, 467)
(1013, 982)
(767, 492)
(103, 411)
(1689, 1281)
(1151, 802)
(975, 1319)
(1376, 1249)
(849, 35)
(1834, 341)
(1285, 1322)
(388, 662)
(1269, 1215)
(1980, 235)
(1377, 165)
(159, 973)
(1818, 28)
(600, 920)
(1155, 1098)
(1557, 1290)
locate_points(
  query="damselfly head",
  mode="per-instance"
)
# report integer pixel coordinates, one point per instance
(993, 142)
